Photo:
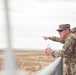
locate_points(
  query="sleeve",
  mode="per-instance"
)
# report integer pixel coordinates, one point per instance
(57, 39)
(66, 49)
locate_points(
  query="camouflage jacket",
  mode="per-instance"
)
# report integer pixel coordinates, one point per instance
(57, 39)
(68, 50)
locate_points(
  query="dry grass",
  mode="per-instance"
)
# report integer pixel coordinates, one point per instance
(30, 61)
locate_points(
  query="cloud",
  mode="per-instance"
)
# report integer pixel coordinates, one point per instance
(31, 19)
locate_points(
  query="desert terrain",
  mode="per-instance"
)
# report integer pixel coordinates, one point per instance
(30, 60)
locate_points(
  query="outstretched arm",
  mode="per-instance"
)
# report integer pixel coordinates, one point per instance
(66, 49)
(54, 38)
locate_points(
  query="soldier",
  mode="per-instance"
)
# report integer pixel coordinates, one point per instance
(61, 40)
(54, 38)
(58, 39)
(73, 30)
(68, 50)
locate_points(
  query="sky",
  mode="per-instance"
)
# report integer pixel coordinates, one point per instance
(32, 19)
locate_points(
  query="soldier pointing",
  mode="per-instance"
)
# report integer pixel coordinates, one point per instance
(68, 49)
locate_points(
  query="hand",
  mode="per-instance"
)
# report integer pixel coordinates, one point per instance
(48, 51)
(45, 37)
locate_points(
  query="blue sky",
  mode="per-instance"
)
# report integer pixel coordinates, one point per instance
(32, 19)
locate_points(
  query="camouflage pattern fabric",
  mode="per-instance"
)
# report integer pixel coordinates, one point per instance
(63, 26)
(57, 39)
(73, 30)
(68, 51)
(71, 69)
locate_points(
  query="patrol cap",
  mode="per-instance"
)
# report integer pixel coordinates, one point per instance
(73, 30)
(63, 27)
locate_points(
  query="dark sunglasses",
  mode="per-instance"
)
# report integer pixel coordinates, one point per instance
(60, 30)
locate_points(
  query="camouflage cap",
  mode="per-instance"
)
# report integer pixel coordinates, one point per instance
(63, 27)
(73, 30)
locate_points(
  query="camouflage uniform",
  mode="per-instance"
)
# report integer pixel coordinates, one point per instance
(68, 51)
(73, 30)
(57, 39)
